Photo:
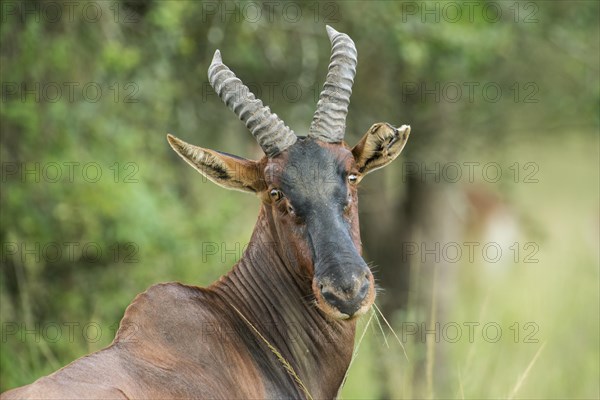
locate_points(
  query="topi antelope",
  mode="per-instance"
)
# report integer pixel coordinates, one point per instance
(281, 323)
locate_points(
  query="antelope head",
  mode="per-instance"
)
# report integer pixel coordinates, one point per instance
(307, 184)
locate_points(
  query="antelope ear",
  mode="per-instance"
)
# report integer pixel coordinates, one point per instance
(225, 170)
(379, 146)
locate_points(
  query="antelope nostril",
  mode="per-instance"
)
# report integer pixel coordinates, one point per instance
(364, 289)
(330, 297)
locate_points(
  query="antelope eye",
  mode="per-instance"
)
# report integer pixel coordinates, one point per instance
(276, 194)
(352, 178)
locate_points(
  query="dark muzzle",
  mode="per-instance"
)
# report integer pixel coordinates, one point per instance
(345, 288)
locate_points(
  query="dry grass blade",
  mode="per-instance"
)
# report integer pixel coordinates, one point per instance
(473, 349)
(355, 353)
(381, 329)
(288, 367)
(460, 385)
(392, 329)
(526, 372)
(429, 344)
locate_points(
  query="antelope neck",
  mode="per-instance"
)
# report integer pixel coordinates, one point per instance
(270, 288)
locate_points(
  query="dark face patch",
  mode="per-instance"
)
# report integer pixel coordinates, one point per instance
(314, 180)
(319, 206)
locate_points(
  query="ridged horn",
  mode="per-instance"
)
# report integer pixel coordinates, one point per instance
(270, 132)
(329, 121)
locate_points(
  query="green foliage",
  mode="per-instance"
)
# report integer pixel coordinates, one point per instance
(151, 216)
